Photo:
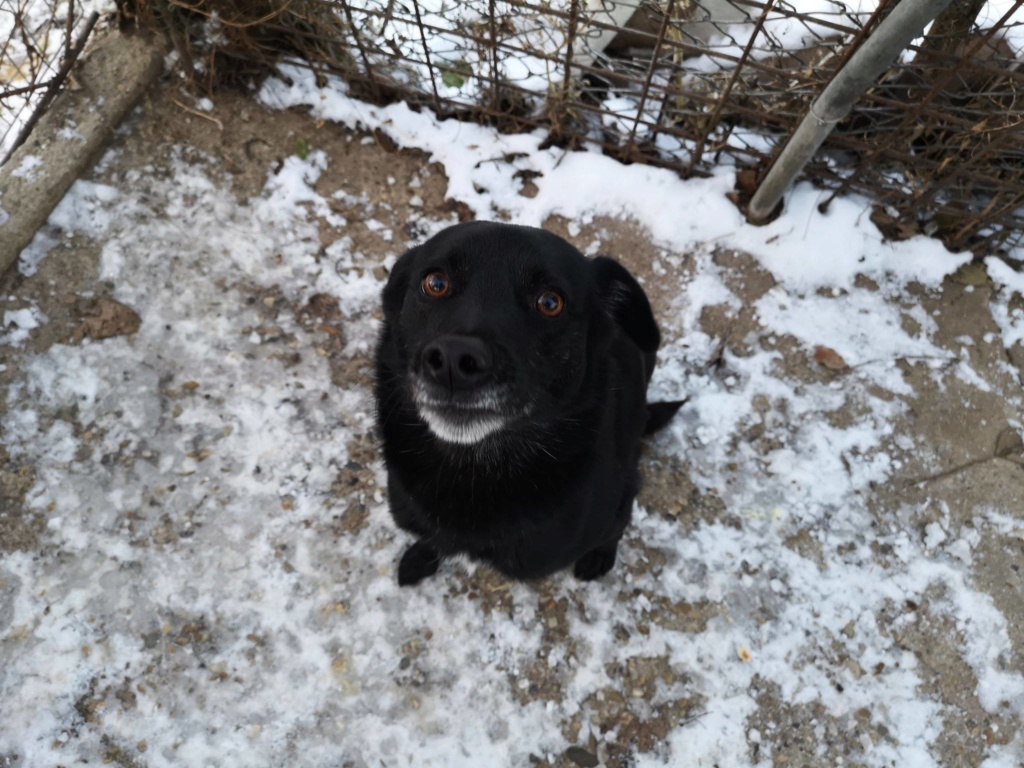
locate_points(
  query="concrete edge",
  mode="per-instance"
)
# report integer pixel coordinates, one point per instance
(110, 80)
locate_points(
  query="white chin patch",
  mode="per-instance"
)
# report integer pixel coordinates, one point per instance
(462, 432)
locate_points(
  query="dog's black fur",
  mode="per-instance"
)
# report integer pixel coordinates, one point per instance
(562, 401)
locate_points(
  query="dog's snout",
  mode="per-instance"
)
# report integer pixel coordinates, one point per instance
(457, 362)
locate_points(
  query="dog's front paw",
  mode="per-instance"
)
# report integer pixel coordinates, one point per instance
(596, 563)
(419, 561)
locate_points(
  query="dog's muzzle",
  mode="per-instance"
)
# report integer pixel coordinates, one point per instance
(456, 393)
(463, 427)
(465, 418)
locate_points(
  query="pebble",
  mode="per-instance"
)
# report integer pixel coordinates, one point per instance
(582, 757)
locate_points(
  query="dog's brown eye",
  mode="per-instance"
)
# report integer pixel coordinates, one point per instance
(436, 285)
(550, 304)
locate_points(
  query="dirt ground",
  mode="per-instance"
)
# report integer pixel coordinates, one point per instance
(967, 427)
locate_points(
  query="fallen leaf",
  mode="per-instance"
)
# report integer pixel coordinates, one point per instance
(456, 73)
(526, 174)
(1009, 443)
(385, 141)
(971, 273)
(891, 227)
(829, 358)
(322, 305)
(463, 211)
(105, 318)
(746, 181)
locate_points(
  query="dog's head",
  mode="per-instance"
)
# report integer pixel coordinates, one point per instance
(488, 326)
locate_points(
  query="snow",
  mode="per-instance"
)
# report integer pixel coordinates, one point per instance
(190, 556)
(85, 209)
(1009, 316)
(800, 248)
(18, 323)
(28, 167)
(933, 535)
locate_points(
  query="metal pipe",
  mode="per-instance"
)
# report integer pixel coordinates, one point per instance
(906, 22)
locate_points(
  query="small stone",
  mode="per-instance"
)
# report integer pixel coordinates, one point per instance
(1009, 443)
(582, 757)
(829, 358)
(971, 274)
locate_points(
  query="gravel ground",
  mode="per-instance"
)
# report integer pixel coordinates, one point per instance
(197, 567)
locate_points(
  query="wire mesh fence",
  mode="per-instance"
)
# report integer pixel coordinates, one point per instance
(39, 42)
(938, 142)
(688, 84)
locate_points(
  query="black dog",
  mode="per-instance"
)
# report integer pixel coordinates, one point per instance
(511, 393)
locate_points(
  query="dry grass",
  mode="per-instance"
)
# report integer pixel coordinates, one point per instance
(236, 41)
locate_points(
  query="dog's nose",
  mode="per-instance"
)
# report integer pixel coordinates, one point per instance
(457, 362)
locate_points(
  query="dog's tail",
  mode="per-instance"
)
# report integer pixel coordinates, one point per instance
(659, 414)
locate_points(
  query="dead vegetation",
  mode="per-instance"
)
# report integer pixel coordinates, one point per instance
(675, 84)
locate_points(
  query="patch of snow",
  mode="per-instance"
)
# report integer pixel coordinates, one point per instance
(799, 248)
(933, 535)
(19, 323)
(85, 209)
(1010, 319)
(28, 168)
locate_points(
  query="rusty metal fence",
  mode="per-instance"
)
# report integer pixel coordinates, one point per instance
(39, 42)
(938, 143)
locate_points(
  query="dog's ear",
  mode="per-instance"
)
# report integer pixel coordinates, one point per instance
(398, 283)
(626, 303)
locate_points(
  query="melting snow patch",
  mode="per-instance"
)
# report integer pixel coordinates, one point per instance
(19, 322)
(28, 168)
(85, 209)
(1009, 316)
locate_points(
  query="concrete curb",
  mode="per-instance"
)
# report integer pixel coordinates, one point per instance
(69, 136)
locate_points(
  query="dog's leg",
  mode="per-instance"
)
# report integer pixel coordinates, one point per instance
(597, 562)
(419, 561)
